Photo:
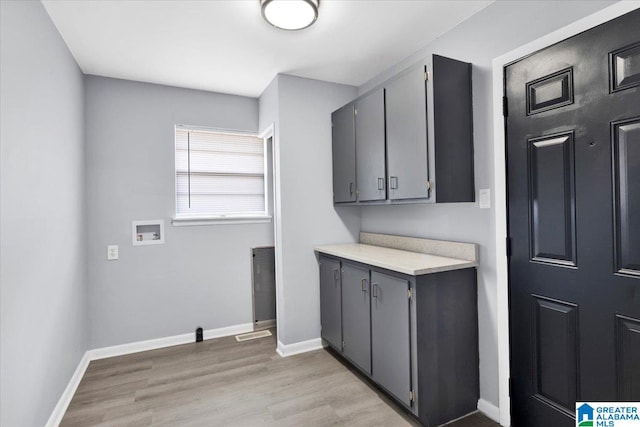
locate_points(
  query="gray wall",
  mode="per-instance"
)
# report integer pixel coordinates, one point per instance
(268, 116)
(498, 29)
(42, 262)
(268, 106)
(201, 276)
(306, 216)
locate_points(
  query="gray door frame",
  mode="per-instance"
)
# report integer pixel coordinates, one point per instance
(272, 198)
(265, 324)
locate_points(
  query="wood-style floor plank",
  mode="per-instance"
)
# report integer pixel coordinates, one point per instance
(222, 382)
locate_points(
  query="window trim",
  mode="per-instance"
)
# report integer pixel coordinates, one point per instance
(212, 220)
(228, 218)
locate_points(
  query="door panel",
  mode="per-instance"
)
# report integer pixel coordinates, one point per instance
(552, 199)
(626, 149)
(391, 362)
(554, 352)
(344, 155)
(356, 316)
(406, 113)
(370, 147)
(573, 161)
(628, 350)
(625, 67)
(549, 92)
(330, 302)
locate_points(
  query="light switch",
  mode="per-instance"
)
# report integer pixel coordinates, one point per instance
(485, 198)
(112, 252)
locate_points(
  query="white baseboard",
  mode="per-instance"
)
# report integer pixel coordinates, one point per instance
(225, 332)
(286, 350)
(489, 409)
(136, 347)
(67, 394)
(265, 324)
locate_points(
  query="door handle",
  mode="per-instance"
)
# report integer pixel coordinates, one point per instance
(351, 188)
(364, 285)
(374, 287)
(380, 183)
(393, 182)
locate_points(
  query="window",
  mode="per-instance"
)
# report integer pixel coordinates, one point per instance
(219, 174)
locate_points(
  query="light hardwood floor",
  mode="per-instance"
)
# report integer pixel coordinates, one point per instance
(222, 382)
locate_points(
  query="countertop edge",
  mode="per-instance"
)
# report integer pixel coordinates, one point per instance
(469, 264)
(460, 265)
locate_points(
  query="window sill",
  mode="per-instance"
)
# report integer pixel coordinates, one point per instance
(182, 222)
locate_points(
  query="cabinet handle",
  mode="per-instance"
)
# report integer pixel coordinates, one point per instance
(393, 182)
(380, 183)
(351, 188)
(374, 287)
(336, 276)
(364, 285)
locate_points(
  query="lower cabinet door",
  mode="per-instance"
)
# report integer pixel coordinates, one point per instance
(330, 305)
(390, 353)
(356, 315)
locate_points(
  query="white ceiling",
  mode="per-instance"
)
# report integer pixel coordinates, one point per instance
(225, 45)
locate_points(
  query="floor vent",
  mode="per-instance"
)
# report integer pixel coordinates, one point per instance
(253, 335)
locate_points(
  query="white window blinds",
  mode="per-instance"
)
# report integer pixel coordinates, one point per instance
(219, 174)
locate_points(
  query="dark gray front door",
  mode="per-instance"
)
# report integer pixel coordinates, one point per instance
(573, 143)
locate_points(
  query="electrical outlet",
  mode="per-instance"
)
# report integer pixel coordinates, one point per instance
(112, 252)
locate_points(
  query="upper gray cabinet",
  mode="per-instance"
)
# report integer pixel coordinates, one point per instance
(412, 139)
(453, 131)
(370, 147)
(344, 154)
(406, 108)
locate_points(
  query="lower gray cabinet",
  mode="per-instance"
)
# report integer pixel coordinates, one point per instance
(330, 302)
(356, 316)
(416, 337)
(390, 340)
(447, 345)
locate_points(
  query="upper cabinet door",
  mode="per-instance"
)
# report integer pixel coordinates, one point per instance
(406, 111)
(344, 155)
(370, 153)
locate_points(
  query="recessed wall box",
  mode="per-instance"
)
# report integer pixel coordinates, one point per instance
(149, 232)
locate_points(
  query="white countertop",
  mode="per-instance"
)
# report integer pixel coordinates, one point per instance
(407, 262)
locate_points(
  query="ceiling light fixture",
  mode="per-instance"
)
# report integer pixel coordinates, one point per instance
(290, 14)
